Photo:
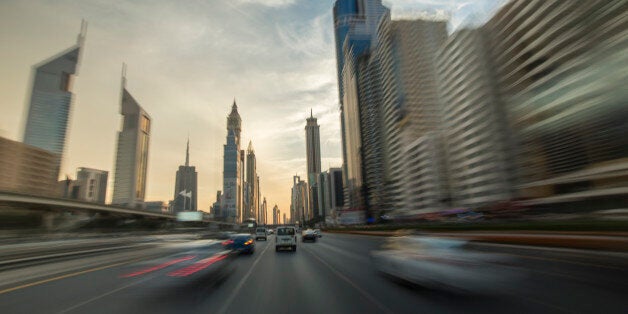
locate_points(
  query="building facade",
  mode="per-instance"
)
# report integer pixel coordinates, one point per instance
(185, 187)
(231, 205)
(51, 99)
(561, 67)
(27, 169)
(251, 208)
(92, 185)
(129, 188)
(300, 204)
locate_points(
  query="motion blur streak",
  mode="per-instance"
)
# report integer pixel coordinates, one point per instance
(200, 265)
(158, 267)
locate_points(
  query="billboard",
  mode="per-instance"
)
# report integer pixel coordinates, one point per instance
(190, 216)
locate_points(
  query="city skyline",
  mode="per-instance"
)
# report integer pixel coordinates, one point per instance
(188, 96)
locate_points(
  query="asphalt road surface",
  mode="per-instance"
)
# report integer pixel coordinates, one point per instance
(333, 275)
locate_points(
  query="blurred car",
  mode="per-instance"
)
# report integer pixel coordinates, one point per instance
(204, 263)
(308, 235)
(318, 232)
(444, 264)
(241, 243)
(271, 231)
(261, 233)
(286, 238)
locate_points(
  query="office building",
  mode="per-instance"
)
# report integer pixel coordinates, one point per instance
(406, 55)
(275, 215)
(251, 202)
(92, 185)
(355, 30)
(51, 99)
(129, 187)
(300, 204)
(476, 129)
(562, 68)
(231, 201)
(185, 187)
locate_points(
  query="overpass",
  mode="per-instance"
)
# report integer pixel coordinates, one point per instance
(52, 205)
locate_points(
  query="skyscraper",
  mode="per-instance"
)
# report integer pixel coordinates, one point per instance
(275, 215)
(231, 205)
(313, 157)
(355, 30)
(129, 187)
(252, 201)
(185, 188)
(51, 99)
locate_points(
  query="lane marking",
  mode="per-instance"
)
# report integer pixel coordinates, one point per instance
(69, 275)
(365, 294)
(74, 307)
(557, 260)
(230, 299)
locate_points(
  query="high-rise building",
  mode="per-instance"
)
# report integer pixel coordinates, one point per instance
(300, 205)
(215, 208)
(51, 100)
(27, 169)
(313, 159)
(562, 68)
(476, 130)
(275, 215)
(185, 187)
(407, 54)
(251, 208)
(336, 189)
(129, 187)
(355, 30)
(284, 218)
(231, 205)
(263, 210)
(92, 184)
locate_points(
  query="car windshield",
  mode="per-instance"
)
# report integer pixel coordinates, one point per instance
(261, 230)
(285, 231)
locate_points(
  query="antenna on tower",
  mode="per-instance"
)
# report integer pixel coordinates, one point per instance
(81, 36)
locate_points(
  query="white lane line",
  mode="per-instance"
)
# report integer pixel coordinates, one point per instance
(229, 300)
(104, 295)
(365, 294)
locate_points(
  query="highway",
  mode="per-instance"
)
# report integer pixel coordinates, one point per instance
(333, 275)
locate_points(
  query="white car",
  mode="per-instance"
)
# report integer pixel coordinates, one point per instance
(286, 237)
(261, 233)
(445, 263)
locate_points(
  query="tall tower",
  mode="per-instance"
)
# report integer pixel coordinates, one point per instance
(129, 187)
(51, 99)
(251, 211)
(231, 200)
(313, 152)
(185, 189)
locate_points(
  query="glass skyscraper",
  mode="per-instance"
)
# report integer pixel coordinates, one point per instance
(51, 99)
(129, 188)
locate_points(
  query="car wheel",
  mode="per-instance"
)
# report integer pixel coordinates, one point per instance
(276, 249)
(294, 248)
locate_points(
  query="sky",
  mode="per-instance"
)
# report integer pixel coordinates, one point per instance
(186, 63)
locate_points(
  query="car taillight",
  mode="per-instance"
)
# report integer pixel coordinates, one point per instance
(227, 242)
(248, 242)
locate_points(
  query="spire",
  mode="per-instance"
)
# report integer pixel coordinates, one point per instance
(123, 75)
(234, 107)
(81, 36)
(311, 114)
(250, 148)
(187, 153)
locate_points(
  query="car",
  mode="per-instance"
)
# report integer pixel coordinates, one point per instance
(445, 264)
(241, 243)
(308, 235)
(225, 235)
(286, 237)
(318, 232)
(261, 233)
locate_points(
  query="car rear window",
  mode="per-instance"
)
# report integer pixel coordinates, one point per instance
(285, 231)
(261, 230)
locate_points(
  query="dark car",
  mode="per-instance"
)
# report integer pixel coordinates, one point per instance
(202, 263)
(241, 243)
(309, 235)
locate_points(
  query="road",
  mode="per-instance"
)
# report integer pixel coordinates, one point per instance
(333, 275)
